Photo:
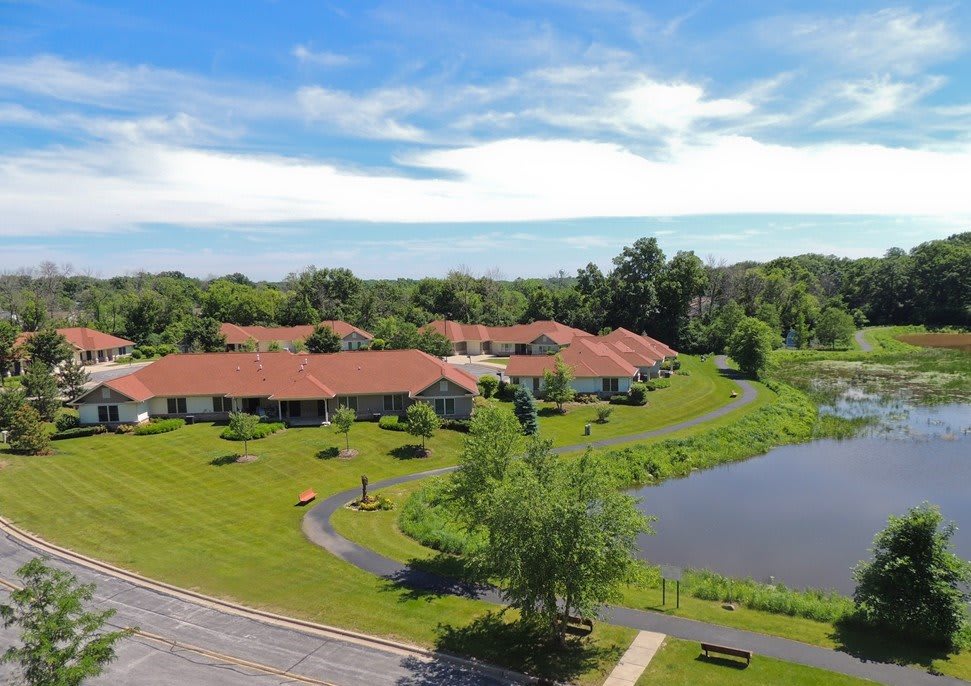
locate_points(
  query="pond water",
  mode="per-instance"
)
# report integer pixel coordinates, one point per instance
(806, 514)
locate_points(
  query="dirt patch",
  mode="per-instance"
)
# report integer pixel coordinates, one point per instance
(243, 459)
(347, 454)
(4, 464)
(955, 341)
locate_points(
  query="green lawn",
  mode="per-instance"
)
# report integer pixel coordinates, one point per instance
(680, 663)
(702, 390)
(501, 361)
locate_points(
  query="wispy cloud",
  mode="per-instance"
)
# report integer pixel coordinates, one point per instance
(319, 58)
(372, 115)
(894, 40)
(876, 98)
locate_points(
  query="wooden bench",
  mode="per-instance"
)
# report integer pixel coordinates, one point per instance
(725, 650)
(307, 496)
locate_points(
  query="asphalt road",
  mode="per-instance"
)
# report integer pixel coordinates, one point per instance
(480, 370)
(145, 662)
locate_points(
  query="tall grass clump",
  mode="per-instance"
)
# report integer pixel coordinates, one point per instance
(790, 418)
(428, 518)
(815, 604)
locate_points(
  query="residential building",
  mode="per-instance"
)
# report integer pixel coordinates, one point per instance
(286, 337)
(602, 365)
(301, 389)
(537, 338)
(90, 346)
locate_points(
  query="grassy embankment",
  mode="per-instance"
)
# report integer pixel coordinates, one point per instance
(172, 507)
(680, 663)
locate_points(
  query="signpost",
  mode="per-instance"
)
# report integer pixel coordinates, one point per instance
(671, 573)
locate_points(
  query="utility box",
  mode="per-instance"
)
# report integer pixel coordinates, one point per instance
(586, 429)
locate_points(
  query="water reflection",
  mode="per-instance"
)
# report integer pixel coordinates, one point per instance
(806, 514)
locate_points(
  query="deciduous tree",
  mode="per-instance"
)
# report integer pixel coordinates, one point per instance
(344, 422)
(61, 642)
(556, 382)
(243, 425)
(323, 340)
(27, 434)
(751, 345)
(422, 422)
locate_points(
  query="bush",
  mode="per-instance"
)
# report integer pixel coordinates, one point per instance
(125, 429)
(460, 425)
(136, 354)
(392, 422)
(79, 432)
(586, 398)
(67, 419)
(426, 517)
(488, 385)
(603, 414)
(507, 391)
(655, 384)
(638, 394)
(671, 365)
(262, 430)
(619, 399)
(373, 503)
(158, 426)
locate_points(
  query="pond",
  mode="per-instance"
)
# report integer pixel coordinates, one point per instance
(806, 514)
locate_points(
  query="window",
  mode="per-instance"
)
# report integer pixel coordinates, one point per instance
(292, 408)
(536, 384)
(176, 406)
(348, 401)
(107, 413)
(443, 385)
(445, 406)
(611, 385)
(221, 404)
(392, 403)
(321, 408)
(105, 393)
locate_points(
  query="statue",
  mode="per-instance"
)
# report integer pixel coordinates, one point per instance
(364, 483)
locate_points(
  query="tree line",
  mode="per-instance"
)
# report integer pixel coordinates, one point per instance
(690, 303)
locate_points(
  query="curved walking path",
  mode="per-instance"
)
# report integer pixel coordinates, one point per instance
(318, 529)
(862, 342)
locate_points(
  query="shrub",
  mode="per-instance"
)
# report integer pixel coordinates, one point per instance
(159, 426)
(427, 518)
(638, 394)
(488, 385)
(373, 503)
(79, 432)
(603, 414)
(27, 434)
(507, 391)
(125, 429)
(262, 430)
(392, 422)
(66, 419)
(460, 425)
(136, 354)
(619, 400)
(586, 398)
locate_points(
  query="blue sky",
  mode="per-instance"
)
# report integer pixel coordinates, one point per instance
(404, 139)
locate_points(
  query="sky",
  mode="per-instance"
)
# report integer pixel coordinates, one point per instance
(407, 139)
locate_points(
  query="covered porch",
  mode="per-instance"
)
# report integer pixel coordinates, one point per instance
(304, 412)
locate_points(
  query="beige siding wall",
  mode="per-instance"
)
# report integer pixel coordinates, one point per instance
(354, 341)
(582, 385)
(443, 388)
(128, 412)
(104, 396)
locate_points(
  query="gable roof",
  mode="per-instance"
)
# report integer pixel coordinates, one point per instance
(619, 353)
(238, 335)
(285, 376)
(523, 334)
(641, 343)
(83, 338)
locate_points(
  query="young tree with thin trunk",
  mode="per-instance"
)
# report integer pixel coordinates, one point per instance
(243, 425)
(343, 421)
(62, 643)
(422, 422)
(556, 382)
(71, 378)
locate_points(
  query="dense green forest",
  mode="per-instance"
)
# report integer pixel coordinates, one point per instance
(691, 303)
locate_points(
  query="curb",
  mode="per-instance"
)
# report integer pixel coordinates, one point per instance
(136, 579)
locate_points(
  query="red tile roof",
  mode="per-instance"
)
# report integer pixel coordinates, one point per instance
(238, 335)
(83, 339)
(285, 376)
(618, 354)
(518, 333)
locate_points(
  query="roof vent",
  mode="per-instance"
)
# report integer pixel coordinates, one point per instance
(257, 357)
(260, 368)
(306, 361)
(237, 368)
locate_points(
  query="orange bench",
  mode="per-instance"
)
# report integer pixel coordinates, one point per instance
(307, 496)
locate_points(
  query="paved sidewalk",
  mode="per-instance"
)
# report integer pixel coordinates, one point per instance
(636, 659)
(862, 342)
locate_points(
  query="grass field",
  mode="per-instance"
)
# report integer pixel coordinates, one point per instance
(681, 663)
(170, 507)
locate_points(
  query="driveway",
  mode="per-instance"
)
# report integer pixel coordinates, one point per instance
(105, 372)
(188, 641)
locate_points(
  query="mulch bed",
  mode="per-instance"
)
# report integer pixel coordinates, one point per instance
(347, 454)
(243, 459)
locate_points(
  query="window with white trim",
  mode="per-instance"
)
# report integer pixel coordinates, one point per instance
(443, 385)
(176, 405)
(445, 407)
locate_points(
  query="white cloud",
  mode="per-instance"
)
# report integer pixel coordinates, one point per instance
(896, 40)
(319, 58)
(115, 187)
(373, 115)
(877, 98)
(675, 106)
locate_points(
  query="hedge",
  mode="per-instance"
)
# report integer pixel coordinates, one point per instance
(262, 430)
(392, 422)
(79, 432)
(160, 426)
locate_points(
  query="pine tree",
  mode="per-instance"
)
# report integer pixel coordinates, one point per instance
(41, 389)
(524, 407)
(27, 433)
(71, 378)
